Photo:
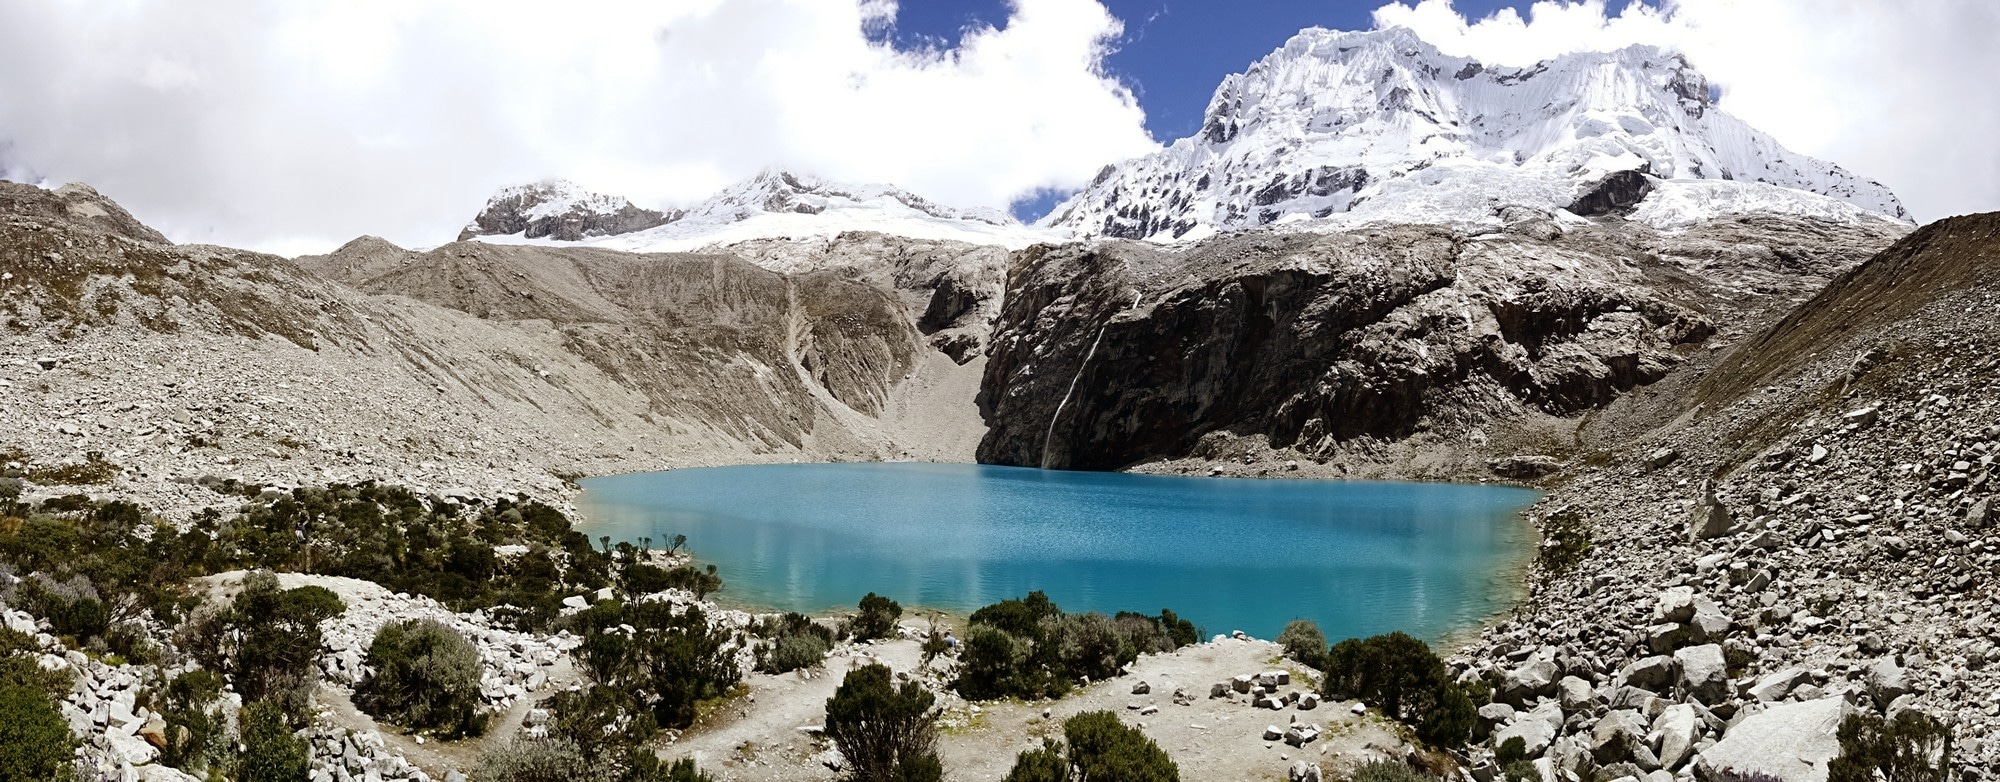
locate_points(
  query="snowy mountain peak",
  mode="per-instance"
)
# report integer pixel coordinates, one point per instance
(1354, 127)
(559, 209)
(774, 204)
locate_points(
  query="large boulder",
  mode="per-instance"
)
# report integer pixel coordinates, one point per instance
(1654, 673)
(1537, 729)
(1773, 687)
(1614, 736)
(1533, 679)
(1792, 742)
(1675, 605)
(1704, 672)
(1677, 728)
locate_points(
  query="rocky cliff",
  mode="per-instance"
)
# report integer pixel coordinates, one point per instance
(1114, 353)
(1811, 532)
(562, 211)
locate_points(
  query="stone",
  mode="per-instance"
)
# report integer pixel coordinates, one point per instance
(1273, 733)
(154, 731)
(1661, 458)
(1274, 678)
(1675, 605)
(1308, 701)
(1678, 728)
(578, 602)
(1537, 729)
(1980, 514)
(1773, 687)
(1574, 693)
(1142, 688)
(1615, 735)
(1495, 714)
(1654, 673)
(1218, 690)
(1711, 517)
(1887, 681)
(1704, 672)
(1302, 734)
(1242, 683)
(1302, 771)
(1529, 681)
(1790, 741)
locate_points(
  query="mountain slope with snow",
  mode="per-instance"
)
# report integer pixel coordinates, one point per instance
(1381, 127)
(778, 205)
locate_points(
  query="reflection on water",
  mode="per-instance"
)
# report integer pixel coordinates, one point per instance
(1359, 558)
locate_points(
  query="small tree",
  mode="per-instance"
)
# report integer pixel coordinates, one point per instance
(1100, 748)
(876, 619)
(278, 633)
(1304, 642)
(270, 752)
(887, 733)
(1914, 747)
(425, 677)
(1401, 676)
(35, 742)
(672, 660)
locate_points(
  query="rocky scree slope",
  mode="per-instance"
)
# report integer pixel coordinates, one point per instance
(1115, 353)
(1815, 535)
(1379, 126)
(475, 367)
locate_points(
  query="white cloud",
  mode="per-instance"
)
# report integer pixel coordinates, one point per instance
(297, 126)
(1899, 92)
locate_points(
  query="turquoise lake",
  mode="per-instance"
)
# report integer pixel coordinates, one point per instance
(1228, 554)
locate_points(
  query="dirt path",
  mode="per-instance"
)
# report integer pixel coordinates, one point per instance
(760, 738)
(437, 758)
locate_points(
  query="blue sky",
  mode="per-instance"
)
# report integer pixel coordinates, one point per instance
(1174, 52)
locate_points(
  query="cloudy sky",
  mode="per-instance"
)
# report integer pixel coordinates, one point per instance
(292, 127)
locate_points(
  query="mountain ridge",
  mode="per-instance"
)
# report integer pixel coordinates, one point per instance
(1380, 125)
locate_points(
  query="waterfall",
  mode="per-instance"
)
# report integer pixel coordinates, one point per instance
(1087, 356)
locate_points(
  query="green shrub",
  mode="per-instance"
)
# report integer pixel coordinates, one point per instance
(425, 677)
(1099, 748)
(1520, 771)
(197, 730)
(270, 752)
(35, 742)
(1511, 751)
(1400, 676)
(792, 641)
(1029, 648)
(1565, 541)
(277, 637)
(887, 733)
(539, 760)
(18, 666)
(876, 618)
(1304, 642)
(673, 660)
(1914, 747)
(1390, 771)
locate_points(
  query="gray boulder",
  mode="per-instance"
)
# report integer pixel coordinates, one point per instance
(1678, 729)
(1654, 673)
(1614, 736)
(1533, 679)
(1574, 693)
(1773, 687)
(1790, 741)
(1704, 672)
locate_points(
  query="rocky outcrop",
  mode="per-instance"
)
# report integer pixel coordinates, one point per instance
(1114, 353)
(1616, 193)
(561, 211)
(1850, 570)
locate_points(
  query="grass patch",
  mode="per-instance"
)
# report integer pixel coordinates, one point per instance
(94, 469)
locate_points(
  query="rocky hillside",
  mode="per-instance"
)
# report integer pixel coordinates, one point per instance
(1347, 128)
(476, 366)
(1106, 355)
(1814, 535)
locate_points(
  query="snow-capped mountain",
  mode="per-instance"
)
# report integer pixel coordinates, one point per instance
(1379, 126)
(558, 209)
(774, 204)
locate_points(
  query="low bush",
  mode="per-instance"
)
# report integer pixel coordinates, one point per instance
(1400, 676)
(1029, 648)
(672, 659)
(1097, 747)
(197, 731)
(270, 752)
(1304, 642)
(887, 733)
(1390, 771)
(1913, 747)
(267, 639)
(539, 760)
(791, 642)
(35, 742)
(424, 676)
(875, 619)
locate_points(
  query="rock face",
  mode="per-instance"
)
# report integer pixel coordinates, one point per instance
(1109, 354)
(559, 210)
